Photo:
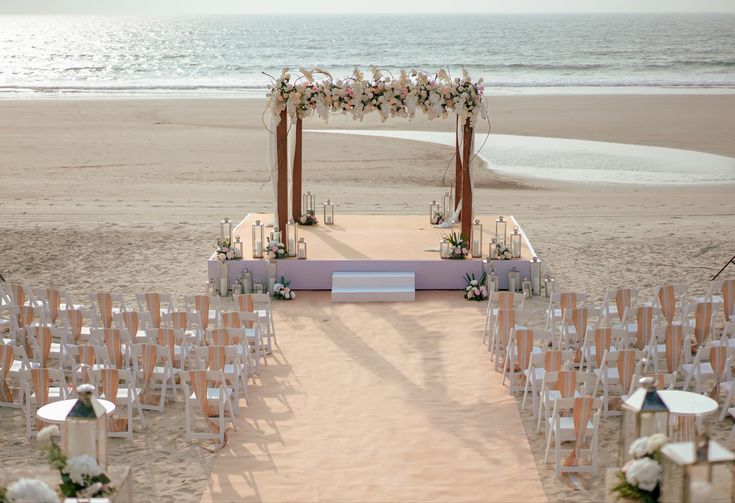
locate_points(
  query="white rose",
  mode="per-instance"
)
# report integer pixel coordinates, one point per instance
(44, 436)
(230, 255)
(222, 256)
(277, 287)
(639, 448)
(644, 473)
(80, 467)
(655, 442)
(293, 294)
(30, 491)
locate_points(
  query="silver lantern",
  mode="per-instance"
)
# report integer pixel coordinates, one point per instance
(477, 239)
(258, 238)
(526, 287)
(238, 248)
(246, 280)
(225, 231)
(302, 249)
(85, 427)
(514, 280)
(308, 202)
(292, 237)
(448, 204)
(433, 210)
(515, 243)
(644, 413)
(536, 276)
(444, 249)
(493, 250)
(328, 212)
(500, 230)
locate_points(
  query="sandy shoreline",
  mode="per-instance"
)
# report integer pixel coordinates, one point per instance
(126, 195)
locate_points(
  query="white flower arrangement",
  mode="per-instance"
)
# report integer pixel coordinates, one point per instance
(434, 95)
(438, 218)
(475, 289)
(81, 469)
(502, 252)
(276, 249)
(459, 246)
(47, 434)
(308, 218)
(224, 250)
(282, 290)
(30, 491)
(640, 478)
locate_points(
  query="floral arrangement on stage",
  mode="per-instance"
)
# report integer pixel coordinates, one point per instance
(459, 246)
(475, 289)
(81, 475)
(276, 249)
(27, 490)
(438, 218)
(282, 290)
(640, 478)
(224, 250)
(308, 218)
(502, 252)
(436, 95)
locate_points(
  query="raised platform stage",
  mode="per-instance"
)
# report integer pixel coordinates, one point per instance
(374, 243)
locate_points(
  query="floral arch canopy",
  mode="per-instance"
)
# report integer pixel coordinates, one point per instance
(315, 92)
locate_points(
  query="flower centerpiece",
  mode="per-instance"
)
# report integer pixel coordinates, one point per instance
(502, 252)
(308, 218)
(459, 246)
(282, 290)
(224, 250)
(640, 478)
(28, 491)
(475, 289)
(81, 475)
(276, 249)
(438, 218)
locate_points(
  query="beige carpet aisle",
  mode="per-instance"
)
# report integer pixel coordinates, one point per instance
(378, 403)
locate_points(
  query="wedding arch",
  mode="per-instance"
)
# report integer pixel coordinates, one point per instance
(435, 95)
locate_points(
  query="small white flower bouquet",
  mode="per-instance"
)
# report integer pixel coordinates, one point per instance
(475, 289)
(438, 218)
(276, 249)
(459, 246)
(224, 250)
(282, 290)
(640, 478)
(308, 218)
(502, 252)
(28, 490)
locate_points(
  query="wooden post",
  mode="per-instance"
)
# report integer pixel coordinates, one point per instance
(466, 181)
(296, 175)
(457, 168)
(282, 161)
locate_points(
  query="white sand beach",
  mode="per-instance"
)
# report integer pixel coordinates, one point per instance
(359, 402)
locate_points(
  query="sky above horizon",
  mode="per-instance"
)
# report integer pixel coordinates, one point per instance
(162, 7)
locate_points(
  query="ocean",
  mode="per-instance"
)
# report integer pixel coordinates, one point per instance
(67, 56)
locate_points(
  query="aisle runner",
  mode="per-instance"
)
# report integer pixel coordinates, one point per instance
(376, 402)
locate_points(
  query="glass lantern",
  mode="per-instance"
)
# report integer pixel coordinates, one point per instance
(236, 287)
(328, 212)
(514, 280)
(225, 230)
(433, 210)
(526, 287)
(500, 228)
(308, 202)
(548, 286)
(515, 243)
(447, 204)
(644, 413)
(302, 249)
(444, 249)
(493, 282)
(258, 239)
(272, 274)
(223, 273)
(493, 250)
(688, 469)
(275, 235)
(292, 237)
(246, 280)
(211, 287)
(238, 248)
(85, 427)
(535, 276)
(258, 287)
(477, 239)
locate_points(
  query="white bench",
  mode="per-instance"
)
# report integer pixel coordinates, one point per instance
(373, 287)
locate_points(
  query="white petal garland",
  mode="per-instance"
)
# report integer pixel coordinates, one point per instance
(434, 95)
